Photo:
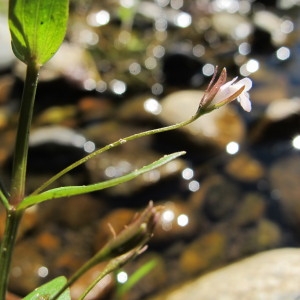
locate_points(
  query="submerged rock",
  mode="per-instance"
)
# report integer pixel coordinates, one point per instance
(141, 109)
(177, 220)
(284, 178)
(221, 198)
(262, 236)
(29, 268)
(204, 253)
(251, 209)
(245, 168)
(280, 122)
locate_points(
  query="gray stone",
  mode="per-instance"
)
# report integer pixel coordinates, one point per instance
(270, 275)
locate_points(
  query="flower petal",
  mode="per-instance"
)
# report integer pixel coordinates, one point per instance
(221, 92)
(245, 102)
(225, 91)
(229, 83)
(247, 82)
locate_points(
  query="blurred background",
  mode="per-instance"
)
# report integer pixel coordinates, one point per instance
(132, 65)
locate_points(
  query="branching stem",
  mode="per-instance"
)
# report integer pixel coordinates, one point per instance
(110, 146)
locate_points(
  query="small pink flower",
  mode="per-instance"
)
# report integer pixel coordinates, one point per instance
(223, 92)
(230, 88)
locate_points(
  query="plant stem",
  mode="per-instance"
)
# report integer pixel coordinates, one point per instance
(83, 269)
(113, 265)
(18, 175)
(110, 146)
(6, 250)
(22, 139)
(104, 254)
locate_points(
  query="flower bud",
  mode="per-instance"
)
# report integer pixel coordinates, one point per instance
(221, 92)
(135, 235)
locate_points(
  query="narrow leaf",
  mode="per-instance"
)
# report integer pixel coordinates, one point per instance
(49, 290)
(133, 279)
(37, 28)
(78, 190)
(3, 199)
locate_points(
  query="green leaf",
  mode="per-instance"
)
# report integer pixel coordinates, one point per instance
(78, 190)
(37, 28)
(4, 199)
(133, 279)
(49, 290)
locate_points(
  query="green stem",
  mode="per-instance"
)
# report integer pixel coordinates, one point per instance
(18, 176)
(6, 250)
(103, 255)
(114, 264)
(82, 270)
(22, 139)
(110, 146)
(4, 200)
(114, 248)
